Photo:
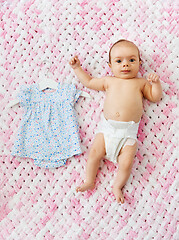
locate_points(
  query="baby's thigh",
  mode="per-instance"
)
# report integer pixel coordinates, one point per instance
(98, 146)
(127, 155)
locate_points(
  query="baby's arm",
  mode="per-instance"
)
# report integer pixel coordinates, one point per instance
(93, 83)
(152, 88)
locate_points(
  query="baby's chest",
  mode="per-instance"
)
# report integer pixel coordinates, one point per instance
(124, 90)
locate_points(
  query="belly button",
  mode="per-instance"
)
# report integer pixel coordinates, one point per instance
(117, 114)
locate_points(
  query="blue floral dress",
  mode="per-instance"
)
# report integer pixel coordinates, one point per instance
(49, 129)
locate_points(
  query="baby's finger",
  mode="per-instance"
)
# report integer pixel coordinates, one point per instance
(155, 78)
(149, 78)
(72, 62)
(76, 59)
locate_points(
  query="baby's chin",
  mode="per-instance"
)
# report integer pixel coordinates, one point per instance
(125, 76)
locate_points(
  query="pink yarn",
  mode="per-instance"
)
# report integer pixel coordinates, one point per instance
(42, 204)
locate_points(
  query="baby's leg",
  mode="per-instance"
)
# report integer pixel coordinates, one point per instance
(125, 162)
(97, 152)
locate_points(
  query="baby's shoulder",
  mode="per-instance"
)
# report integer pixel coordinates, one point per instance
(109, 79)
(141, 81)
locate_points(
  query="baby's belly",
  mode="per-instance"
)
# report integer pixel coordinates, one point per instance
(123, 112)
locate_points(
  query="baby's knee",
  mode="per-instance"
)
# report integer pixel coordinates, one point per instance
(125, 164)
(94, 153)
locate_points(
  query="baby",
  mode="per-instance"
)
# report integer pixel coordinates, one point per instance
(116, 137)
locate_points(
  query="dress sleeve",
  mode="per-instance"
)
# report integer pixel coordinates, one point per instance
(75, 93)
(24, 96)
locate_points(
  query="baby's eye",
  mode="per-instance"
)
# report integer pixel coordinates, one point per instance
(132, 60)
(118, 61)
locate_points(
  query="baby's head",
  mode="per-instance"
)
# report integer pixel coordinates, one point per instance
(124, 59)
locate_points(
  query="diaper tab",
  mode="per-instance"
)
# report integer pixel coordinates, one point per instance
(124, 129)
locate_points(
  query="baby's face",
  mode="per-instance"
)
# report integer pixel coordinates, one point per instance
(124, 60)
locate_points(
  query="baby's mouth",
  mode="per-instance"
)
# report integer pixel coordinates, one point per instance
(125, 71)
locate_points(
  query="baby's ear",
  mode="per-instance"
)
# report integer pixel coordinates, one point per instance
(109, 64)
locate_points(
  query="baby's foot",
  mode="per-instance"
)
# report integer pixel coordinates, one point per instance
(85, 186)
(118, 194)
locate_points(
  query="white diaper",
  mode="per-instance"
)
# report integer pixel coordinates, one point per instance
(117, 135)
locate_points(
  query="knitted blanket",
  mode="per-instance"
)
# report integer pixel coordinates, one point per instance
(38, 203)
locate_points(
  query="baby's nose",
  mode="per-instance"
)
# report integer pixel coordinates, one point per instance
(125, 64)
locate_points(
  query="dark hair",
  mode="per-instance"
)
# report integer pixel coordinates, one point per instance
(122, 40)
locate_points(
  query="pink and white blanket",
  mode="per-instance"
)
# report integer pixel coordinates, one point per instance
(40, 204)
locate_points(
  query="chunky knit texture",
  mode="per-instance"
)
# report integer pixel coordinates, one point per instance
(41, 204)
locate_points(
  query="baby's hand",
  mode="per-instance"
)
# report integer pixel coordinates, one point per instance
(74, 62)
(153, 77)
